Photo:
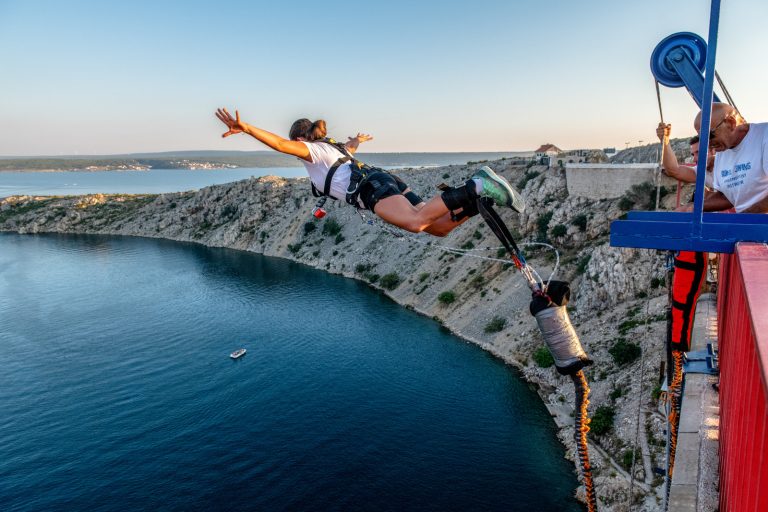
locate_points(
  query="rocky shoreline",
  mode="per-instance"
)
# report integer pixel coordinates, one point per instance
(617, 304)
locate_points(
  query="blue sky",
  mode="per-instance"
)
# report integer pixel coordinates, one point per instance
(88, 77)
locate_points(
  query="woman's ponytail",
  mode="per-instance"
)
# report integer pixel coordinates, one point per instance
(307, 130)
(318, 130)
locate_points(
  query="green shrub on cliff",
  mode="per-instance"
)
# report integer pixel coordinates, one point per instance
(331, 227)
(643, 196)
(581, 266)
(580, 221)
(542, 224)
(625, 204)
(496, 324)
(559, 230)
(543, 357)
(447, 297)
(528, 176)
(229, 211)
(624, 352)
(362, 268)
(390, 281)
(21, 209)
(602, 420)
(628, 456)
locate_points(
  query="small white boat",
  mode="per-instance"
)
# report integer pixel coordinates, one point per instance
(237, 353)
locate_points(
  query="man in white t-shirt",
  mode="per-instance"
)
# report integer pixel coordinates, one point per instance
(741, 161)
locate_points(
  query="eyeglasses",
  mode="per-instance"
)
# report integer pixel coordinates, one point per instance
(713, 130)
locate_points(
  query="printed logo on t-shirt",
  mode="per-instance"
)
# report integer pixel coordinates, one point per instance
(735, 177)
(742, 167)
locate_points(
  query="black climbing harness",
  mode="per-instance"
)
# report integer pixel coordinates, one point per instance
(359, 173)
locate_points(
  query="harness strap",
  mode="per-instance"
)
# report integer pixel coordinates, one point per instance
(500, 230)
(355, 178)
(359, 173)
(329, 178)
(688, 265)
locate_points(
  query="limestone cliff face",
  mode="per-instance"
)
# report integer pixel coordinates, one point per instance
(650, 152)
(483, 301)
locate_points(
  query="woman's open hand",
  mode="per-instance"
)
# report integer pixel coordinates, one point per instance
(233, 123)
(353, 142)
(360, 137)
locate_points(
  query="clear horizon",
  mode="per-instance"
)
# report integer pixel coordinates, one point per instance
(266, 150)
(95, 78)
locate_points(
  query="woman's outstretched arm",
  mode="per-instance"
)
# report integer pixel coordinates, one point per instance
(235, 125)
(353, 142)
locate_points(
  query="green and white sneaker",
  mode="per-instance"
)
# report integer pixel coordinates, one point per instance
(496, 188)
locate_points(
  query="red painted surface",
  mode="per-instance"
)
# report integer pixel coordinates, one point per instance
(743, 344)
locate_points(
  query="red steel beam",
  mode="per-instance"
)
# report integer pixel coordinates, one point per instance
(743, 350)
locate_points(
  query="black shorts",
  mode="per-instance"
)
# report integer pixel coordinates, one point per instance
(381, 185)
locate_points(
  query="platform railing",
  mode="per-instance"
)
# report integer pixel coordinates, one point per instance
(743, 344)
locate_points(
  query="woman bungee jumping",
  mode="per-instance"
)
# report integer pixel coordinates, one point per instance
(334, 172)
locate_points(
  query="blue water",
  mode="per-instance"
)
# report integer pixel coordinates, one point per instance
(153, 181)
(117, 392)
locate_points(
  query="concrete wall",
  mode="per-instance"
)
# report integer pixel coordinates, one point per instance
(606, 181)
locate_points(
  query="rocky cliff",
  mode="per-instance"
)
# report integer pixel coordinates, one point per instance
(617, 307)
(650, 152)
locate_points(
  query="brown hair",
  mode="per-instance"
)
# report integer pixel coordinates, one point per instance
(694, 140)
(307, 130)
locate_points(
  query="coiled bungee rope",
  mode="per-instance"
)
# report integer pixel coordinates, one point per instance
(581, 429)
(674, 395)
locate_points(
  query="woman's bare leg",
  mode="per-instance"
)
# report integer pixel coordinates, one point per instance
(444, 225)
(432, 216)
(399, 212)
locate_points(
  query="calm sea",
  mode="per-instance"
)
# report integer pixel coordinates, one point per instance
(117, 392)
(158, 181)
(154, 181)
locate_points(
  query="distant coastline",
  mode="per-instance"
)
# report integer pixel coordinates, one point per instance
(212, 160)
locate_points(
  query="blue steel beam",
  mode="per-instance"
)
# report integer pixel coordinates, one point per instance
(666, 233)
(709, 218)
(706, 116)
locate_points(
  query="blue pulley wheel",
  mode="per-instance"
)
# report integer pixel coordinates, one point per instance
(674, 49)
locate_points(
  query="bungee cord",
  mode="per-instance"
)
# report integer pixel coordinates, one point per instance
(548, 306)
(581, 429)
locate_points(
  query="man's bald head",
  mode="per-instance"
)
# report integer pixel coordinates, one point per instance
(719, 112)
(726, 128)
